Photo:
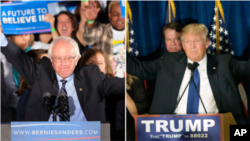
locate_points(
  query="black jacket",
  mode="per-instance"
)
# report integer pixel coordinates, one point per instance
(91, 85)
(224, 73)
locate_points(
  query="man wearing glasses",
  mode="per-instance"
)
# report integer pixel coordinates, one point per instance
(85, 89)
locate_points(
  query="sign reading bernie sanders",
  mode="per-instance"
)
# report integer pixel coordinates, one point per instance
(24, 17)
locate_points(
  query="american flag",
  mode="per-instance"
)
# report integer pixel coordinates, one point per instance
(132, 44)
(219, 43)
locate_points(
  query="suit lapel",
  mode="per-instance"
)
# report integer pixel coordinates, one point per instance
(79, 86)
(213, 79)
(180, 68)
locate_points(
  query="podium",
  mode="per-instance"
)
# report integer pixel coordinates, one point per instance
(6, 132)
(184, 127)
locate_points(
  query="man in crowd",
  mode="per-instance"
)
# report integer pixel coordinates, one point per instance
(85, 89)
(110, 37)
(172, 36)
(216, 78)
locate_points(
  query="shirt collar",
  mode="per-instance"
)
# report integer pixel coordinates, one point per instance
(202, 63)
(69, 79)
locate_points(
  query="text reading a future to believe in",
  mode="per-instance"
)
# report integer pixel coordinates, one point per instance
(23, 16)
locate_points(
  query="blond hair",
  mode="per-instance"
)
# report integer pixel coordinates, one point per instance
(195, 28)
(111, 4)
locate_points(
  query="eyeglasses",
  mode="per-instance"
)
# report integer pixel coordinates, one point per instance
(66, 59)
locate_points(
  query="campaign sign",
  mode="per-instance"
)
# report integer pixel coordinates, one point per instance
(71, 131)
(24, 17)
(122, 5)
(55, 1)
(200, 127)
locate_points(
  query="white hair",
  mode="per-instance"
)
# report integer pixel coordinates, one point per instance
(69, 40)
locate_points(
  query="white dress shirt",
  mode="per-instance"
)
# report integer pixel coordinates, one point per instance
(205, 90)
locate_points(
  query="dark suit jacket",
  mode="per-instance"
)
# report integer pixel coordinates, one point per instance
(4, 110)
(224, 72)
(91, 85)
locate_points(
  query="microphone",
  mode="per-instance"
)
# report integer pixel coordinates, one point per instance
(191, 67)
(61, 100)
(47, 102)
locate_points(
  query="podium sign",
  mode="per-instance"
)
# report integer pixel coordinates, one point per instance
(39, 131)
(183, 127)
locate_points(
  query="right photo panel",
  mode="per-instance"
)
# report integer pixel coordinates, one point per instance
(188, 70)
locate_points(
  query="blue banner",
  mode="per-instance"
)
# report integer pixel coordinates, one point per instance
(123, 10)
(56, 1)
(37, 131)
(24, 17)
(178, 127)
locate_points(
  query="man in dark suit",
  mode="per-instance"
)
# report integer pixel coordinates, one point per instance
(218, 77)
(85, 88)
(4, 110)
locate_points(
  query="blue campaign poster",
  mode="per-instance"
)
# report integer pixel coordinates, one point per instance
(44, 131)
(24, 17)
(122, 4)
(203, 127)
(56, 1)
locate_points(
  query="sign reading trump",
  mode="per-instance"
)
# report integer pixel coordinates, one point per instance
(178, 127)
(24, 17)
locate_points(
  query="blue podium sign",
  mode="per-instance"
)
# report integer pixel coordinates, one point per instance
(24, 17)
(200, 127)
(71, 131)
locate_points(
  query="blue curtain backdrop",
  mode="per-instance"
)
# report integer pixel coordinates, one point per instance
(149, 19)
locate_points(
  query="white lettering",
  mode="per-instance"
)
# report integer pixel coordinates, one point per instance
(172, 127)
(196, 125)
(147, 123)
(207, 123)
(161, 124)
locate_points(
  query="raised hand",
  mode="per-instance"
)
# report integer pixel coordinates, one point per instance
(50, 19)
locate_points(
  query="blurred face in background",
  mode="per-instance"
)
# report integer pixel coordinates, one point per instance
(173, 40)
(64, 25)
(115, 17)
(22, 41)
(98, 59)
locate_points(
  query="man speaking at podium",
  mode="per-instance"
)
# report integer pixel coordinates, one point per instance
(85, 89)
(214, 85)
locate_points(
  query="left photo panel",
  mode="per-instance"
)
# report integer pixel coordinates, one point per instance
(63, 70)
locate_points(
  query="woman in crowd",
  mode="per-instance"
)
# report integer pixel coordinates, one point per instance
(136, 103)
(64, 24)
(114, 105)
(24, 89)
(11, 76)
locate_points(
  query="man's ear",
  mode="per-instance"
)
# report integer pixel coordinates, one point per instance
(109, 15)
(207, 43)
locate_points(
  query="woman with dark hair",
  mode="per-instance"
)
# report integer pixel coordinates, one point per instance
(65, 24)
(24, 89)
(115, 105)
(96, 56)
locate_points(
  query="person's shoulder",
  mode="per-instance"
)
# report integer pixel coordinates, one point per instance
(175, 55)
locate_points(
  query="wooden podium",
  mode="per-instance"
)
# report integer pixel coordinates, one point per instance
(184, 127)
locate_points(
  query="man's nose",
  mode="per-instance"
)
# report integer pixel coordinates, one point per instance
(173, 43)
(63, 62)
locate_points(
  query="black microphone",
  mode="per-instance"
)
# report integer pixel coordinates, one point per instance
(47, 102)
(191, 67)
(61, 100)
